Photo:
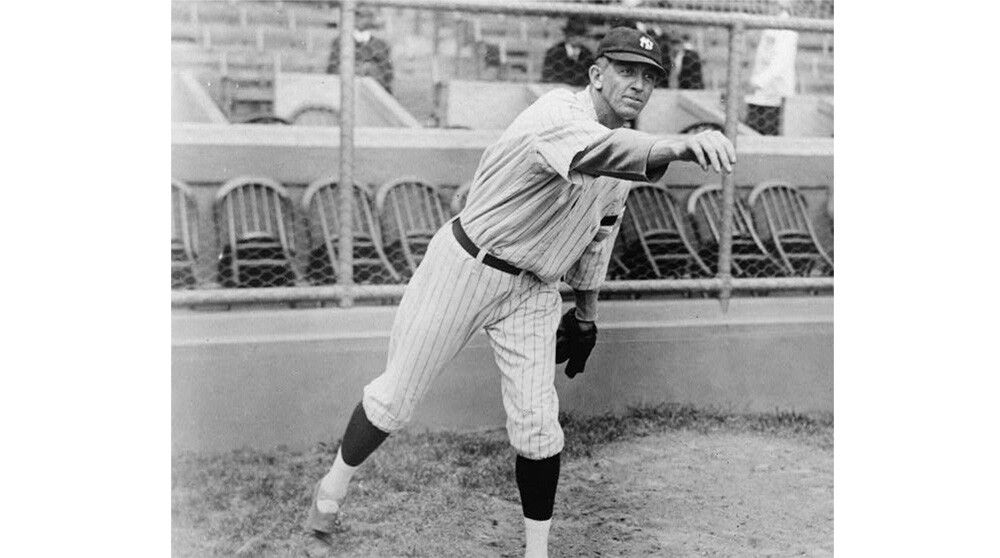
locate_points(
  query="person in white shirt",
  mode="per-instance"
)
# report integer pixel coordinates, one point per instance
(773, 77)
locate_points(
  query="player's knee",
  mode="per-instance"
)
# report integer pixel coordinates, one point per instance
(539, 440)
(386, 415)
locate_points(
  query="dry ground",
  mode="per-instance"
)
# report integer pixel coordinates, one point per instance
(668, 482)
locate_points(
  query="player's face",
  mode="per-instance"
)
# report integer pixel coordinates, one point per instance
(626, 86)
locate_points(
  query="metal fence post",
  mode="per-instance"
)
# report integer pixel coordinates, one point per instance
(345, 245)
(729, 180)
(436, 17)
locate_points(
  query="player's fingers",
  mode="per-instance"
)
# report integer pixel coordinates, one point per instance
(724, 156)
(719, 150)
(713, 156)
(695, 148)
(724, 150)
(730, 150)
(724, 159)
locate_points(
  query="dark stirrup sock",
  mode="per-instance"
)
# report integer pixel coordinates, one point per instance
(361, 438)
(537, 481)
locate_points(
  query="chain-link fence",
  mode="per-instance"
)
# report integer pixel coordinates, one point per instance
(476, 65)
(256, 232)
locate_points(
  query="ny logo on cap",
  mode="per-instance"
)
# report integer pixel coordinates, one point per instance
(646, 43)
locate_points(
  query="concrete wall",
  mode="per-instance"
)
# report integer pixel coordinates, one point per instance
(190, 102)
(373, 105)
(493, 105)
(207, 155)
(262, 378)
(298, 155)
(808, 116)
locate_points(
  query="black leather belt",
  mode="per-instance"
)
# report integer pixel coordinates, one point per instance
(473, 250)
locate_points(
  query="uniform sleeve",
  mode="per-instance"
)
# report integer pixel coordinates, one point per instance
(571, 143)
(567, 133)
(588, 272)
(622, 154)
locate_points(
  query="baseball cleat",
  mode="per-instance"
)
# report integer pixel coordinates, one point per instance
(323, 523)
(320, 527)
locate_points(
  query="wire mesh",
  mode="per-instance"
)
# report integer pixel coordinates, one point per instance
(673, 238)
(422, 58)
(288, 235)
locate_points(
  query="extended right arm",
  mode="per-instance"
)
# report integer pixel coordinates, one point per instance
(637, 156)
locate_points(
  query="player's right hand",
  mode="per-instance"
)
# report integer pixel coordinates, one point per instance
(709, 148)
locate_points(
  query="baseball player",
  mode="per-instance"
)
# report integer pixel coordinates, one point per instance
(545, 205)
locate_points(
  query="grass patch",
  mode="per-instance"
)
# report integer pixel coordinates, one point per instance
(250, 503)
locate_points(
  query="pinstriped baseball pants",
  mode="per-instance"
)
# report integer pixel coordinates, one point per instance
(448, 299)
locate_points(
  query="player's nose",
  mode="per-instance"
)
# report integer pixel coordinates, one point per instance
(643, 83)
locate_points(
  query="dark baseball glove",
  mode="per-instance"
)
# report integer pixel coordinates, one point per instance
(574, 341)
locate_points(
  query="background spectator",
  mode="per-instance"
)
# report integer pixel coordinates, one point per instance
(683, 64)
(569, 60)
(372, 55)
(773, 76)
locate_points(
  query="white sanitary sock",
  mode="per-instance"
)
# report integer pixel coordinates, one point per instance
(333, 487)
(536, 538)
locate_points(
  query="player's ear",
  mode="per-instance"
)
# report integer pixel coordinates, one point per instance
(595, 76)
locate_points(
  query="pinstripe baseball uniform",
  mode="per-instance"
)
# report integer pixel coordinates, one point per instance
(546, 203)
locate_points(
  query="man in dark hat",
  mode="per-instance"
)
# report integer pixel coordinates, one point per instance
(568, 61)
(684, 64)
(545, 206)
(372, 55)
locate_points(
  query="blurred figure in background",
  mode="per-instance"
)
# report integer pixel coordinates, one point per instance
(773, 77)
(372, 55)
(569, 61)
(684, 64)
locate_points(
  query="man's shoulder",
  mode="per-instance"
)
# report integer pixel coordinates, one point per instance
(556, 105)
(558, 95)
(559, 102)
(557, 47)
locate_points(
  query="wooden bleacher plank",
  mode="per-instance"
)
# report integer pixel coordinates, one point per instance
(301, 62)
(319, 39)
(182, 12)
(300, 17)
(216, 12)
(186, 33)
(271, 15)
(284, 39)
(194, 57)
(234, 36)
(522, 58)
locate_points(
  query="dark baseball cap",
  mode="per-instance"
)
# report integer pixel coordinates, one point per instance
(631, 45)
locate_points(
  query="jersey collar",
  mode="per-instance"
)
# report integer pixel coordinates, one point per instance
(587, 102)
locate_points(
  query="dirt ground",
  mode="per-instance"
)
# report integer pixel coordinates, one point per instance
(679, 493)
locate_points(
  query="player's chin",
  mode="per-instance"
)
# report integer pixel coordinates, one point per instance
(629, 110)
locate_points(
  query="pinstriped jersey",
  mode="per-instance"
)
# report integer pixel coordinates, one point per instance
(531, 206)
